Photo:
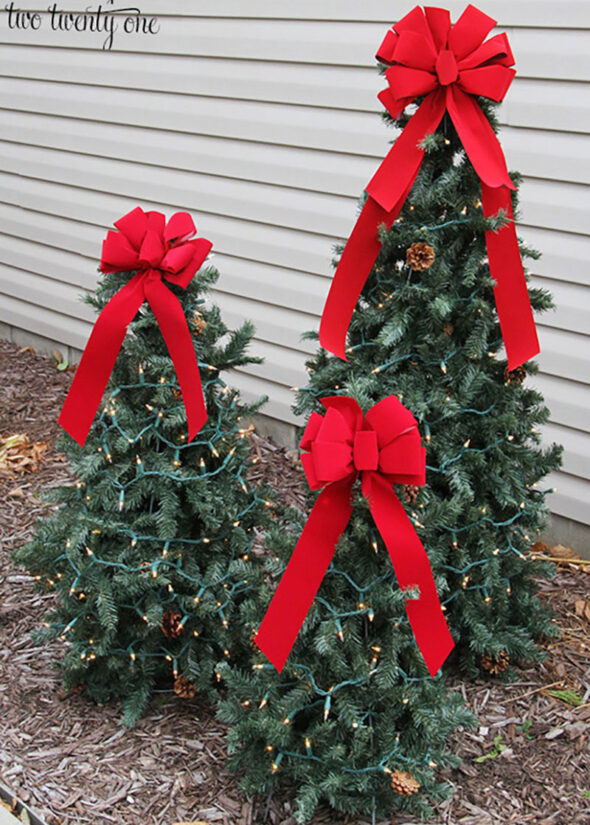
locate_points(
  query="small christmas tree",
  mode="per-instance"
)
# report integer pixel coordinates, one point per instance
(148, 551)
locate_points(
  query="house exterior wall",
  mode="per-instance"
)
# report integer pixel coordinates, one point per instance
(261, 119)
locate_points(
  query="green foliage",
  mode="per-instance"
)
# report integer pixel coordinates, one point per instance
(154, 525)
(355, 700)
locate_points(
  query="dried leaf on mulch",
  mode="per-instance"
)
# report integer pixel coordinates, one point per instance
(72, 761)
(19, 455)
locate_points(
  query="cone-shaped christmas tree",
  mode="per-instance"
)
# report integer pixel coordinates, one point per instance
(352, 719)
(148, 550)
(446, 292)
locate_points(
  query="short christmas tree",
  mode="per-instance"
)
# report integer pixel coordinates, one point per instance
(148, 550)
(426, 329)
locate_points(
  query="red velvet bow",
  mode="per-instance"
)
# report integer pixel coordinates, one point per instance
(155, 251)
(384, 449)
(448, 65)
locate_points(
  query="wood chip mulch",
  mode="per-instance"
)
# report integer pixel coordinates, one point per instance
(73, 763)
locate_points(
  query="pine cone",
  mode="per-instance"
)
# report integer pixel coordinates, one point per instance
(171, 626)
(495, 664)
(516, 376)
(420, 256)
(448, 328)
(184, 688)
(411, 493)
(177, 394)
(404, 784)
(199, 323)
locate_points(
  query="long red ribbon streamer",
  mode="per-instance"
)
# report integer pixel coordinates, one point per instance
(449, 65)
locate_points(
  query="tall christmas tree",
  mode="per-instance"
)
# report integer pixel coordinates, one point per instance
(426, 328)
(353, 718)
(148, 550)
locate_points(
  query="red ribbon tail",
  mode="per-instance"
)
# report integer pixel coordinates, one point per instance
(511, 293)
(353, 269)
(98, 360)
(412, 569)
(305, 571)
(170, 317)
(388, 190)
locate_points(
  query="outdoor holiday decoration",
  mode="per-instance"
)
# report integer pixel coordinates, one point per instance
(159, 253)
(383, 448)
(148, 551)
(446, 67)
(426, 330)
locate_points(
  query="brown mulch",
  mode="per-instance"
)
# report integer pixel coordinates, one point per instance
(73, 762)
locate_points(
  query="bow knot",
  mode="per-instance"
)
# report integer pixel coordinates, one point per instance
(446, 67)
(366, 450)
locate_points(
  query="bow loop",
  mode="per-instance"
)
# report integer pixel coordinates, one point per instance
(366, 450)
(446, 67)
(152, 250)
(469, 31)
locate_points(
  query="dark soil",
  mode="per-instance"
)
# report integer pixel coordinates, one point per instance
(73, 763)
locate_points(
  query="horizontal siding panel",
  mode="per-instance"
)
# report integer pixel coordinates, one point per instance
(534, 152)
(538, 103)
(568, 401)
(42, 321)
(546, 13)
(308, 127)
(547, 104)
(347, 44)
(251, 240)
(542, 154)
(564, 257)
(572, 306)
(576, 445)
(341, 87)
(563, 354)
(48, 262)
(567, 53)
(274, 324)
(554, 205)
(571, 497)
(280, 399)
(303, 211)
(328, 172)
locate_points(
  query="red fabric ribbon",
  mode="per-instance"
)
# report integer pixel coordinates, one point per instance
(155, 251)
(384, 449)
(448, 65)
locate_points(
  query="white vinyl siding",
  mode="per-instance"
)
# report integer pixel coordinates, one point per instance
(261, 119)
